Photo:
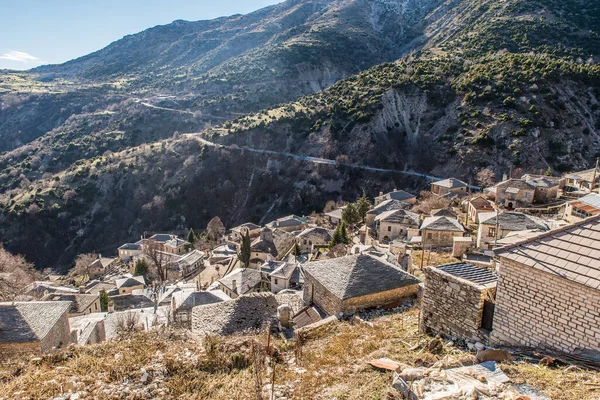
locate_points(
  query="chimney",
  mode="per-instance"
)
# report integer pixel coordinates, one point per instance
(504, 177)
(234, 285)
(82, 289)
(111, 306)
(381, 193)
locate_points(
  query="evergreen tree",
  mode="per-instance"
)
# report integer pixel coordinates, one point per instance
(363, 205)
(104, 299)
(340, 236)
(191, 237)
(244, 254)
(141, 268)
(351, 214)
(297, 250)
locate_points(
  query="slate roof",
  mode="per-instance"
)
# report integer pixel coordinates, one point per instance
(79, 302)
(316, 235)
(399, 216)
(477, 275)
(30, 321)
(130, 282)
(450, 183)
(387, 206)
(131, 302)
(285, 270)
(282, 242)
(290, 220)
(358, 275)
(399, 195)
(543, 182)
(516, 184)
(248, 225)
(247, 279)
(442, 224)
(586, 175)
(480, 202)
(443, 212)
(131, 246)
(186, 300)
(337, 213)
(176, 242)
(188, 259)
(513, 221)
(161, 237)
(571, 252)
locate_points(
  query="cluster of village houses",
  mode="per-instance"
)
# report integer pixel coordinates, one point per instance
(526, 272)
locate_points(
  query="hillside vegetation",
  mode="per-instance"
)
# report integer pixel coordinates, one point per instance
(321, 366)
(482, 85)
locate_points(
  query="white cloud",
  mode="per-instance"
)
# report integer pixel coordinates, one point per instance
(19, 56)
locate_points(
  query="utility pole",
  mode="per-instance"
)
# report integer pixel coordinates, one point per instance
(468, 202)
(497, 226)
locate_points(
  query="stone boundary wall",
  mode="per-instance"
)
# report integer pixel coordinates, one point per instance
(542, 310)
(380, 299)
(452, 306)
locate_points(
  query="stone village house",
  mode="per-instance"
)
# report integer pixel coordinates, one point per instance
(394, 224)
(351, 283)
(398, 195)
(450, 186)
(494, 226)
(582, 208)
(440, 231)
(458, 301)
(310, 238)
(33, 327)
(477, 206)
(548, 293)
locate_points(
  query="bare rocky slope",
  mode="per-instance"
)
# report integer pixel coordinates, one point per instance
(487, 86)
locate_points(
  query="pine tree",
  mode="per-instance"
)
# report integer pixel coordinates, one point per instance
(340, 236)
(245, 252)
(141, 268)
(363, 205)
(104, 299)
(351, 214)
(297, 250)
(191, 237)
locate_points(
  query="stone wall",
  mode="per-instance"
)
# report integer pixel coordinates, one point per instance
(59, 335)
(316, 293)
(380, 299)
(439, 238)
(539, 309)
(453, 306)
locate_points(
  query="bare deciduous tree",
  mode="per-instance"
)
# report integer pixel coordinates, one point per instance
(215, 229)
(83, 264)
(160, 262)
(15, 274)
(429, 202)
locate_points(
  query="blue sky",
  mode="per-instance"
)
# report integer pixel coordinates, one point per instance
(35, 32)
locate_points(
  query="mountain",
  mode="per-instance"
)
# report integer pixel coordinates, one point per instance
(474, 86)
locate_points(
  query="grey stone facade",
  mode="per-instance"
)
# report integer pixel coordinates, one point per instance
(453, 306)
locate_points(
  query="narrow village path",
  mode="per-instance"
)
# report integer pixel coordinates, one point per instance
(317, 160)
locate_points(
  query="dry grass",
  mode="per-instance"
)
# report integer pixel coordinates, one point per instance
(329, 363)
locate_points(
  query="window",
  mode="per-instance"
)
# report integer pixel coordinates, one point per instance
(430, 235)
(389, 228)
(276, 281)
(492, 232)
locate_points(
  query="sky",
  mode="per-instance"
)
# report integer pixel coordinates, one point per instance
(36, 32)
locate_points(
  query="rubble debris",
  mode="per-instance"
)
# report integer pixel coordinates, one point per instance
(494, 355)
(384, 363)
(436, 346)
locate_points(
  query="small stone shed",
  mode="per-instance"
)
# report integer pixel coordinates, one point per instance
(549, 290)
(458, 301)
(351, 283)
(33, 327)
